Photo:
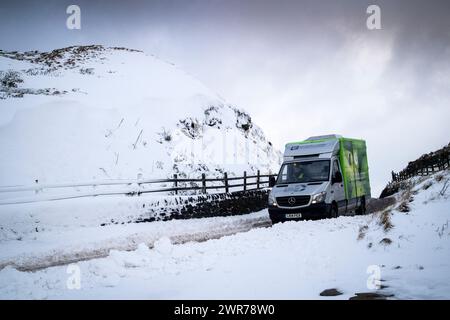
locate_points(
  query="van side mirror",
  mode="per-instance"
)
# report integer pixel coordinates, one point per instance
(272, 181)
(337, 178)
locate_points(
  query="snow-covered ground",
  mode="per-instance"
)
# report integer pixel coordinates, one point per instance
(406, 247)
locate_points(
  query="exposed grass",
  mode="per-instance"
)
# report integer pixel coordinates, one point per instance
(404, 207)
(427, 185)
(386, 241)
(362, 232)
(385, 220)
(439, 177)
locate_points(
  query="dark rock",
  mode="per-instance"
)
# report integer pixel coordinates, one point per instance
(370, 296)
(330, 292)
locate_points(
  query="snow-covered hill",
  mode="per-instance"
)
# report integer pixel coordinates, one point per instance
(92, 112)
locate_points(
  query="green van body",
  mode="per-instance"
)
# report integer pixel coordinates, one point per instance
(354, 167)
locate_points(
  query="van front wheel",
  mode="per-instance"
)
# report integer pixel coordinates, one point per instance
(274, 221)
(334, 211)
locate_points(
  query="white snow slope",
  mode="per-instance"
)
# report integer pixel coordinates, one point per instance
(91, 112)
(407, 252)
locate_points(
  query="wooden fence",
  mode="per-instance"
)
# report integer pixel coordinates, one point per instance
(226, 183)
(172, 186)
(425, 165)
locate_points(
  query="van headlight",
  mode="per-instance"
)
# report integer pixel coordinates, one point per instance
(272, 200)
(318, 198)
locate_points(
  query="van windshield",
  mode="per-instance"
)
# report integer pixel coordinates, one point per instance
(304, 171)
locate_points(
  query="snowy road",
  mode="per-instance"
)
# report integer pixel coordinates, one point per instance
(294, 260)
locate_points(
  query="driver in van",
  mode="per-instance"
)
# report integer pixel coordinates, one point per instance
(298, 173)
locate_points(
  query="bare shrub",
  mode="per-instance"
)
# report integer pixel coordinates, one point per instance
(165, 135)
(10, 79)
(191, 127)
(89, 71)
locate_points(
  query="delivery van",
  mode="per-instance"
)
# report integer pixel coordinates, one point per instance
(323, 176)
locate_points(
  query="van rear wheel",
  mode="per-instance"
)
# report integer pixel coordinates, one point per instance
(362, 207)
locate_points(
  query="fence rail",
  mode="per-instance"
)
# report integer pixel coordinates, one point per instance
(177, 186)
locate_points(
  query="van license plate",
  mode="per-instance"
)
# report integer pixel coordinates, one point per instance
(293, 215)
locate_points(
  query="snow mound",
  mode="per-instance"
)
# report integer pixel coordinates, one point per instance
(93, 112)
(163, 245)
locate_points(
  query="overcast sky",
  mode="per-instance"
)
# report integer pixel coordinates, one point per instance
(300, 68)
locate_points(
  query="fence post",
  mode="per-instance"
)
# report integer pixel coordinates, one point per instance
(257, 179)
(245, 180)
(175, 183)
(203, 183)
(225, 180)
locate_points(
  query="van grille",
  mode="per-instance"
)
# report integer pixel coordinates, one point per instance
(294, 201)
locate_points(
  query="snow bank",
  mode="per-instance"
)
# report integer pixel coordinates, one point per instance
(62, 245)
(36, 235)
